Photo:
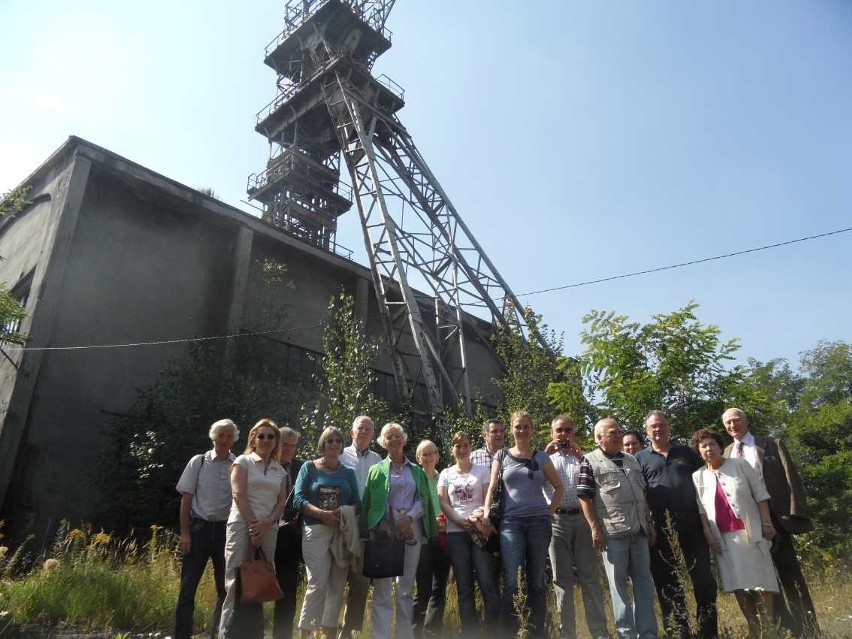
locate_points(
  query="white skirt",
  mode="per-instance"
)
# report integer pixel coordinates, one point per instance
(744, 565)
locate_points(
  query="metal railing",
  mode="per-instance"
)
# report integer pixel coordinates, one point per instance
(297, 12)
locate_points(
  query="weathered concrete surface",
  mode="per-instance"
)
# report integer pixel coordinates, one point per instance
(119, 254)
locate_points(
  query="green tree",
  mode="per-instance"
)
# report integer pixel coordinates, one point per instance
(821, 443)
(530, 366)
(346, 379)
(814, 416)
(11, 311)
(674, 363)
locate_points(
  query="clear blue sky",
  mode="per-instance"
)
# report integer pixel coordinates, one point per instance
(577, 139)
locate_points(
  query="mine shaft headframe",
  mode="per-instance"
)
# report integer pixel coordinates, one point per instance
(415, 237)
(436, 288)
(373, 12)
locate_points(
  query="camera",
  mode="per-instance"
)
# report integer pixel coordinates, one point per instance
(563, 443)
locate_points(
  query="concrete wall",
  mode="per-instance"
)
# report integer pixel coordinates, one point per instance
(121, 255)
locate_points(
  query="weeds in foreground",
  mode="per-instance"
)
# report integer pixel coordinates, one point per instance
(93, 581)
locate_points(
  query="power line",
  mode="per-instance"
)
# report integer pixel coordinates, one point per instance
(32, 349)
(682, 264)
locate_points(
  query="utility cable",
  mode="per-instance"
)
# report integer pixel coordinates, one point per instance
(31, 349)
(14, 349)
(682, 264)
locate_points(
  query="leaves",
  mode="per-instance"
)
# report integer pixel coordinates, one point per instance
(530, 366)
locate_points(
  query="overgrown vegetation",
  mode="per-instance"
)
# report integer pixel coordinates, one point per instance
(345, 378)
(91, 580)
(95, 581)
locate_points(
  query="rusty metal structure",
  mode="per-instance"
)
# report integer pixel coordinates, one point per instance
(428, 270)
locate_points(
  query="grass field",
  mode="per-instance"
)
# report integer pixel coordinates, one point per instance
(93, 582)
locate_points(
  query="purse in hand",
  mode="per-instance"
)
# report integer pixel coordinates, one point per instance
(258, 583)
(384, 554)
(384, 558)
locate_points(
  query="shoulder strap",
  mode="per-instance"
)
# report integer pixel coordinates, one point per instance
(198, 474)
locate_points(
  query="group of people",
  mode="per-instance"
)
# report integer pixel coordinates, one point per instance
(640, 509)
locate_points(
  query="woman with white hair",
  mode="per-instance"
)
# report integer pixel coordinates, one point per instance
(204, 507)
(397, 502)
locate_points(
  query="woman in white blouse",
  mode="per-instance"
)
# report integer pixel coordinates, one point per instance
(259, 486)
(734, 507)
(461, 493)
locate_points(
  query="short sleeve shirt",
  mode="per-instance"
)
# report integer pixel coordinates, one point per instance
(669, 478)
(466, 491)
(524, 482)
(264, 481)
(207, 478)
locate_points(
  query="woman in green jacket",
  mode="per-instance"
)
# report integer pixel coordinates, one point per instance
(397, 501)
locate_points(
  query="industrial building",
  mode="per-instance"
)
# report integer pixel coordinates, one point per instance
(110, 253)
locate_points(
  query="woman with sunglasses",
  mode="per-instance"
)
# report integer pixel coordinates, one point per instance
(323, 487)
(525, 526)
(259, 487)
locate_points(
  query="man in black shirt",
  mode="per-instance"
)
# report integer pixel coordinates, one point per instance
(668, 469)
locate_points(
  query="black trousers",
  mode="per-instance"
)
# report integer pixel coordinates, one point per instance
(432, 572)
(288, 560)
(207, 541)
(685, 531)
(798, 615)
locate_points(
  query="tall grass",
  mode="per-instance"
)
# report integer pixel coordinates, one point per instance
(92, 581)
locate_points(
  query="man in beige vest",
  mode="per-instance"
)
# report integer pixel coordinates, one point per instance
(611, 489)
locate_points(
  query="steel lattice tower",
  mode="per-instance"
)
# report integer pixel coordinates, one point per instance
(328, 106)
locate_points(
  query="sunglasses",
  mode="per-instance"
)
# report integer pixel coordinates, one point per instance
(531, 466)
(334, 440)
(262, 436)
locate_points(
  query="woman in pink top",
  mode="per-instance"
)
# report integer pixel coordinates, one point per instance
(734, 506)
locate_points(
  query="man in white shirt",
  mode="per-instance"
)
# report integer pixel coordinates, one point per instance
(359, 458)
(571, 546)
(789, 517)
(494, 436)
(205, 488)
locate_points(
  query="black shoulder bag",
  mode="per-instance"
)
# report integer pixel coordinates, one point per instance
(384, 555)
(498, 500)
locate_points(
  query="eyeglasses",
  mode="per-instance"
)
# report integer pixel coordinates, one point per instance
(262, 436)
(334, 440)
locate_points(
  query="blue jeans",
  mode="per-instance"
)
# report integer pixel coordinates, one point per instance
(469, 559)
(629, 557)
(207, 541)
(524, 542)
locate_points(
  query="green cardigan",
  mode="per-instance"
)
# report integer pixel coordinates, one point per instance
(374, 503)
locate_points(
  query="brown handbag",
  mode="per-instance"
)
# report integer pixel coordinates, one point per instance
(258, 583)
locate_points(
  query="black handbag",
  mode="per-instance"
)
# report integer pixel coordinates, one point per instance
(384, 555)
(495, 513)
(384, 558)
